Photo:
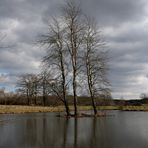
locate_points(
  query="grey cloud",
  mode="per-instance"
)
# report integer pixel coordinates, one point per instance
(114, 12)
(123, 23)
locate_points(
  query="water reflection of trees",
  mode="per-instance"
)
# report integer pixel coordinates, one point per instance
(79, 139)
(65, 133)
(93, 135)
(69, 133)
(46, 131)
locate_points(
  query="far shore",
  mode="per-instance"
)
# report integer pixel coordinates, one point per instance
(14, 109)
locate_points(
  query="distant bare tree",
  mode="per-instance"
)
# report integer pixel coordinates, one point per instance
(23, 86)
(35, 87)
(45, 86)
(27, 84)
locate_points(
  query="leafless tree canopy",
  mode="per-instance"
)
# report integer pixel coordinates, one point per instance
(28, 85)
(95, 61)
(75, 49)
(76, 59)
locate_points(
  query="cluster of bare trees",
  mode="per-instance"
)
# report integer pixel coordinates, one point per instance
(33, 86)
(75, 59)
(28, 85)
(76, 49)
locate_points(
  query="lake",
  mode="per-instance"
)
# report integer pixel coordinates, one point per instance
(45, 130)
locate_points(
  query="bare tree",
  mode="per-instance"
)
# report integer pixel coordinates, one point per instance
(56, 61)
(27, 84)
(35, 87)
(23, 86)
(45, 85)
(94, 61)
(74, 36)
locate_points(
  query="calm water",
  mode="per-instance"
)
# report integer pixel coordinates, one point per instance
(45, 130)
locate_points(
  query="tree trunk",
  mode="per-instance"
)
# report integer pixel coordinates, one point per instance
(67, 108)
(44, 100)
(90, 86)
(75, 96)
(28, 100)
(74, 64)
(64, 83)
(94, 105)
(28, 97)
(44, 94)
(92, 99)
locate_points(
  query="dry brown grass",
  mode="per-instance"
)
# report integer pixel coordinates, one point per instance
(135, 108)
(5, 109)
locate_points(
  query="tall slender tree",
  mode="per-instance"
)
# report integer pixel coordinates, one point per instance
(95, 61)
(74, 35)
(55, 60)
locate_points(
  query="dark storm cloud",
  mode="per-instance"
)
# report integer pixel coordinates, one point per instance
(115, 12)
(122, 21)
(107, 11)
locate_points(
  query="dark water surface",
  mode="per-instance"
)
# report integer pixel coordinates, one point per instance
(45, 130)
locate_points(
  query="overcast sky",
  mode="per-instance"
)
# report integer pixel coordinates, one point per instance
(124, 24)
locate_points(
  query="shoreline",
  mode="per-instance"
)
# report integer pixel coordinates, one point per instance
(20, 109)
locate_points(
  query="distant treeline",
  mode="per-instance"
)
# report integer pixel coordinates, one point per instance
(131, 102)
(54, 101)
(51, 100)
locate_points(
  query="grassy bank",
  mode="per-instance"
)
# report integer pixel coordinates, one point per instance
(135, 108)
(5, 109)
